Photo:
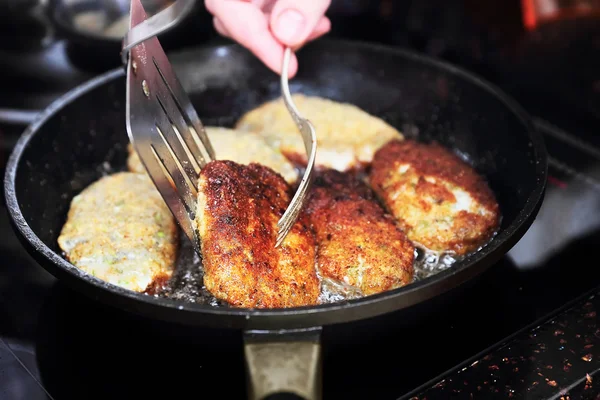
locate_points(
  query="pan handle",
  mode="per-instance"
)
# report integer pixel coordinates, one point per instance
(283, 363)
(18, 117)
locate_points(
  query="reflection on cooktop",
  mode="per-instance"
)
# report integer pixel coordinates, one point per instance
(571, 208)
(567, 215)
(16, 381)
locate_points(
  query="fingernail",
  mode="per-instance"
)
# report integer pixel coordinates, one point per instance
(289, 26)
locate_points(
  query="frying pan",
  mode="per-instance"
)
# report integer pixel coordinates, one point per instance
(80, 134)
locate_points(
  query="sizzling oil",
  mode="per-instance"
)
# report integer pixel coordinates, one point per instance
(428, 263)
(187, 282)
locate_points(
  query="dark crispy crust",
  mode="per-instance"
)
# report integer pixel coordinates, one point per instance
(413, 197)
(357, 242)
(238, 210)
(343, 186)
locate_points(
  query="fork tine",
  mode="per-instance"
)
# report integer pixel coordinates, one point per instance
(172, 197)
(299, 196)
(186, 187)
(287, 225)
(197, 140)
(156, 170)
(289, 218)
(175, 137)
(198, 131)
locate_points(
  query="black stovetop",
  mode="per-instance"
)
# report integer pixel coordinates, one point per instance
(56, 343)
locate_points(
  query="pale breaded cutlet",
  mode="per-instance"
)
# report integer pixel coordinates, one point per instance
(241, 147)
(120, 230)
(347, 137)
(440, 201)
(357, 242)
(238, 209)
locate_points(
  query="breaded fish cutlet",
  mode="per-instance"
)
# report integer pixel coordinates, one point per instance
(120, 230)
(357, 242)
(237, 214)
(239, 146)
(347, 137)
(440, 201)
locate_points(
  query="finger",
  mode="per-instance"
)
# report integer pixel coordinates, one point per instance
(219, 27)
(292, 21)
(265, 5)
(323, 27)
(247, 25)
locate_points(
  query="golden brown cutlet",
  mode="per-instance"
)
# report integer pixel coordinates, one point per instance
(234, 145)
(120, 230)
(347, 137)
(357, 242)
(238, 209)
(440, 201)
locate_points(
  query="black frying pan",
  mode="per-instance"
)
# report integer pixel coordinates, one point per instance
(64, 150)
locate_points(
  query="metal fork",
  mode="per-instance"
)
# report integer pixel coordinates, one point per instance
(166, 131)
(309, 137)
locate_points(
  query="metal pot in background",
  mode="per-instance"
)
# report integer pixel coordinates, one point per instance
(93, 29)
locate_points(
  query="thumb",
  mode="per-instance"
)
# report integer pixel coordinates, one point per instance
(293, 21)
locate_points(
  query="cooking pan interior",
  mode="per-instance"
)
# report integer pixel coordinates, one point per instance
(83, 136)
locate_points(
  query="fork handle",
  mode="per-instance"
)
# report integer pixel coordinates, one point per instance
(285, 87)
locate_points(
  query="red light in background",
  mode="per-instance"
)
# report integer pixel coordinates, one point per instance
(556, 182)
(537, 12)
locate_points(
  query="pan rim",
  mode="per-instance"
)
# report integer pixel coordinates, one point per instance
(289, 316)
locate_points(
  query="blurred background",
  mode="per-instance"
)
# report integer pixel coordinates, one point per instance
(532, 48)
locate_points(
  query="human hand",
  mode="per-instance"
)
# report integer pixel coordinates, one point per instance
(266, 27)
